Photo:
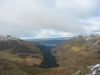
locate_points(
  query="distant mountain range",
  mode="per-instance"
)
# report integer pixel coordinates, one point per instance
(49, 41)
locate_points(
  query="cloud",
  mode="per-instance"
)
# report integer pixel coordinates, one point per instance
(92, 24)
(24, 17)
(49, 33)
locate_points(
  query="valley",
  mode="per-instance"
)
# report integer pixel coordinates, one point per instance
(46, 46)
(24, 57)
(79, 55)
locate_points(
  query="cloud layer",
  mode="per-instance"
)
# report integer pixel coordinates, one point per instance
(24, 17)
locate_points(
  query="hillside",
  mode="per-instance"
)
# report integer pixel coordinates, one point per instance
(18, 57)
(79, 56)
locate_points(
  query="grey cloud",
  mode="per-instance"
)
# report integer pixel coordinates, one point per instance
(23, 17)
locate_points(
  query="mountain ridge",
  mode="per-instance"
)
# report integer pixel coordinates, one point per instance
(78, 54)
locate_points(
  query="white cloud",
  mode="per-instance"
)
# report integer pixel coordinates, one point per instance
(49, 33)
(92, 24)
(23, 17)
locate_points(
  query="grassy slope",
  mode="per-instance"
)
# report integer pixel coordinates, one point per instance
(78, 55)
(11, 64)
(9, 68)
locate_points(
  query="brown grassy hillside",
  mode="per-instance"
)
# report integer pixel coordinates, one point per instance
(78, 54)
(19, 57)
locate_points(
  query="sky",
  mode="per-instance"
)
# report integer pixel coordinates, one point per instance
(49, 18)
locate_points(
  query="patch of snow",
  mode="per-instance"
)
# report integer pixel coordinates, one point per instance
(77, 73)
(96, 66)
(94, 69)
(6, 37)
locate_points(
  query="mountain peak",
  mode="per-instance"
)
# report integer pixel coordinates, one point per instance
(7, 37)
